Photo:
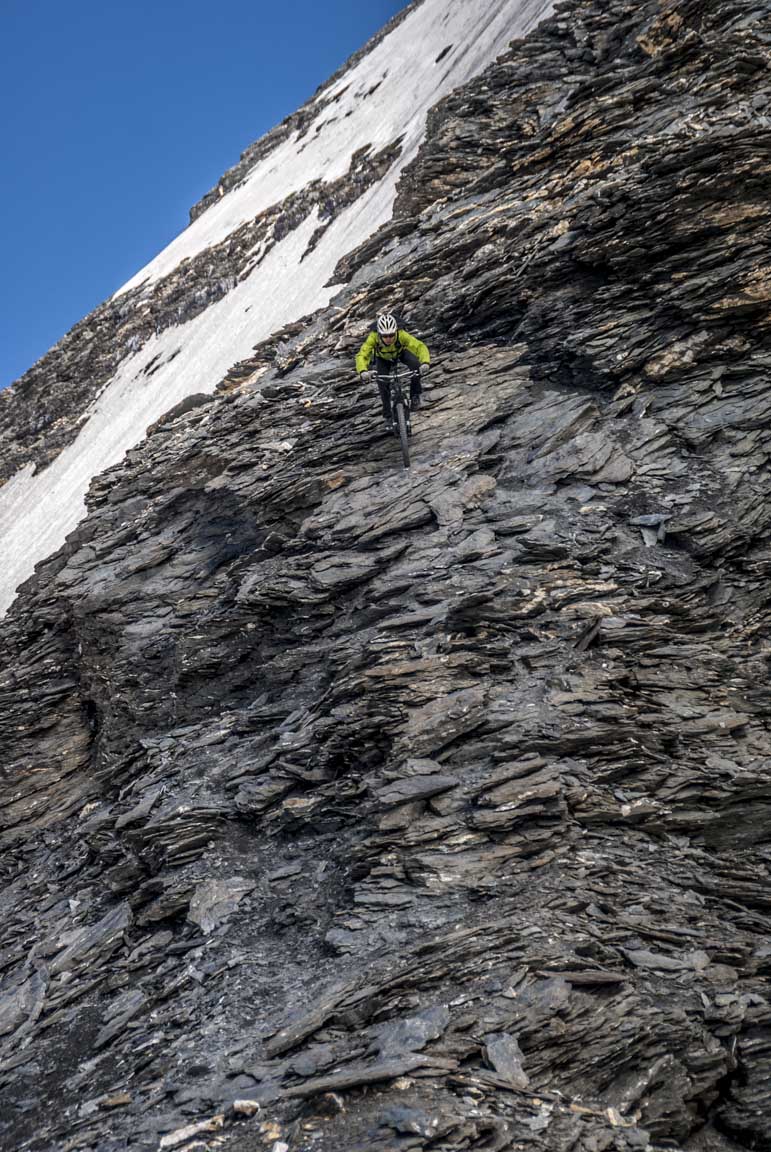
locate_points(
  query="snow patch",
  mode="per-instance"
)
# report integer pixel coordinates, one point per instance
(385, 96)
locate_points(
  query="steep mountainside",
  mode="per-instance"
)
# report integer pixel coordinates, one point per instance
(259, 256)
(357, 809)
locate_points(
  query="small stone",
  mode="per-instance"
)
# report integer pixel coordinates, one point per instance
(330, 1104)
(641, 958)
(183, 1135)
(245, 1107)
(411, 1033)
(505, 1055)
(415, 788)
(118, 1101)
(270, 1131)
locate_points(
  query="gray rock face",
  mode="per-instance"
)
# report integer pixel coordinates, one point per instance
(431, 809)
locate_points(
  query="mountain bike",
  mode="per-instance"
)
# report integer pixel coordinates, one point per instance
(400, 407)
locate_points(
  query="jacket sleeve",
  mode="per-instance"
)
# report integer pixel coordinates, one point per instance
(366, 352)
(417, 347)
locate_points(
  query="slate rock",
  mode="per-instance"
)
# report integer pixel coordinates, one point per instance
(505, 1056)
(412, 1033)
(215, 900)
(414, 788)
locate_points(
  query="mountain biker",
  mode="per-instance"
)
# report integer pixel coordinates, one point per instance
(386, 343)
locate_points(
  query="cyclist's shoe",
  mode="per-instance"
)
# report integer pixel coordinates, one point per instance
(415, 402)
(388, 423)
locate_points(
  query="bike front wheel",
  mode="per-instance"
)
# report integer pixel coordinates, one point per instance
(401, 422)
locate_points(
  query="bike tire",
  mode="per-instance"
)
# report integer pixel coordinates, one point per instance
(401, 421)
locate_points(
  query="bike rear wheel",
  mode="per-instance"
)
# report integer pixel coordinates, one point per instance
(401, 421)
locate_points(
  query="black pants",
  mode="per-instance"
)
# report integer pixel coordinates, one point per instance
(383, 368)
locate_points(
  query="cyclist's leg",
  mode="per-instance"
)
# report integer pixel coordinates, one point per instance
(383, 367)
(412, 362)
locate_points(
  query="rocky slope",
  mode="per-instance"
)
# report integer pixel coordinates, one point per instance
(356, 809)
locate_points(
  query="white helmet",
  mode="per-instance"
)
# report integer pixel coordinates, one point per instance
(386, 324)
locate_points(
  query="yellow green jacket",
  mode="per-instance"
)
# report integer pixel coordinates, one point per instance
(374, 346)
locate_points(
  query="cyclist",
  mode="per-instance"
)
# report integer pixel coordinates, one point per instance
(386, 343)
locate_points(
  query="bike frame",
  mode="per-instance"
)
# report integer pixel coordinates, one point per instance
(394, 378)
(400, 406)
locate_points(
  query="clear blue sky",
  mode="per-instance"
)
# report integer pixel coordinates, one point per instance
(118, 115)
